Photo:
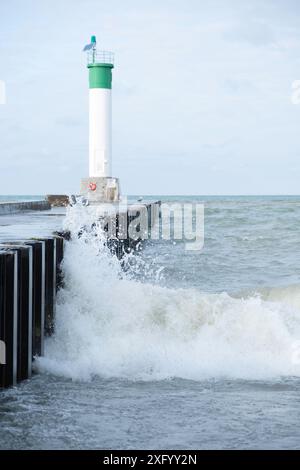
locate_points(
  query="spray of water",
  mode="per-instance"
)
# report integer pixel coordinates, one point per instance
(110, 324)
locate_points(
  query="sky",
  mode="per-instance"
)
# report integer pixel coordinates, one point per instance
(202, 95)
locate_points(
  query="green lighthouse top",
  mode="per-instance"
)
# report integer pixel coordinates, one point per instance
(98, 58)
(100, 65)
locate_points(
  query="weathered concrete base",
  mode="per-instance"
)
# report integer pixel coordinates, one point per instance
(100, 189)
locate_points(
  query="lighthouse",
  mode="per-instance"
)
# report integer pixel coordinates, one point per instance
(100, 186)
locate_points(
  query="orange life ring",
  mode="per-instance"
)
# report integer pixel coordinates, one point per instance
(92, 186)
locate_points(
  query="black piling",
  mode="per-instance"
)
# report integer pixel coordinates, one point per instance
(59, 258)
(50, 283)
(38, 296)
(30, 275)
(24, 294)
(8, 317)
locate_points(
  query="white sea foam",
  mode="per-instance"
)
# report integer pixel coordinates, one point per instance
(110, 325)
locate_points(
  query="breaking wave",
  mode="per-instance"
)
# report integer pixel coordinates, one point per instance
(111, 325)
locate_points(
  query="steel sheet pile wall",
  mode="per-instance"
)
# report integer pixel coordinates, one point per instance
(123, 242)
(29, 277)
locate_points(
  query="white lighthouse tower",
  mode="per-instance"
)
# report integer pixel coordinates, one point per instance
(100, 186)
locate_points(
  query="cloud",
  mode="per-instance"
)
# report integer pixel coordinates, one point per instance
(253, 32)
(235, 86)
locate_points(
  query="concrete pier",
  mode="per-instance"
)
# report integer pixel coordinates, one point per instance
(14, 207)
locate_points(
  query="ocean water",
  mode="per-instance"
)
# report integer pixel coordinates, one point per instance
(175, 349)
